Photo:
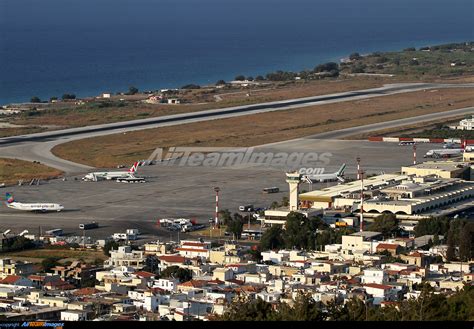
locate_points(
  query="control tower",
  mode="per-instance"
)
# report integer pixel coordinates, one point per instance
(293, 179)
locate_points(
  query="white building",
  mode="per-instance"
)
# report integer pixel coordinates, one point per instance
(166, 284)
(145, 300)
(125, 256)
(374, 275)
(74, 315)
(276, 257)
(192, 249)
(466, 124)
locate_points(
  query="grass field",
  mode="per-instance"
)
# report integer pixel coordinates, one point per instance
(37, 255)
(12, 170)
(108, 151)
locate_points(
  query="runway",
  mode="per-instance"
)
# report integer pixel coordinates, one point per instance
(221, 113)
(37, 147)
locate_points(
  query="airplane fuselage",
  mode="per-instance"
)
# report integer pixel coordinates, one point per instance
(108, 175)
(41, 207)
(322, 178)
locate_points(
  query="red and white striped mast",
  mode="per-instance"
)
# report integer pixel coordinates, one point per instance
(358, 168)
(217, 189)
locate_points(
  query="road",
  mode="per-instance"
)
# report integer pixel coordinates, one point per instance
(38, 146)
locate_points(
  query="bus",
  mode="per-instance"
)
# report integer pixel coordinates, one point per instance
(88, 226)
(271, 190)
(404, 143)
(251, 234)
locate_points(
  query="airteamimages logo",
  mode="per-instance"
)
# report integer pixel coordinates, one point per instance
(55, 325)
(305, 162)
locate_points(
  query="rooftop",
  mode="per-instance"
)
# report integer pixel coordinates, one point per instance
(367, 234)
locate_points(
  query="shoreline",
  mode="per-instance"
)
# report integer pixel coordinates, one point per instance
(336, 58)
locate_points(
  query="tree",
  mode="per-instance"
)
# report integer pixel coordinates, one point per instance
(236, 226)
(409, 49)
(191, 86)
(358, 68)
(354, 56)
(450, 253)
(53, 98)
(465, 242)
(305, 308)
(296, 231)
(386, 224)
(433, 225)
(68, 96)
(327, 67)
(436, 240)
(274, 205)
(182, 274)
(255, 254)
(280, 76)
(220, 83)
(244, 310)
(272, 238)
(239, 78)
(225, 217)
(132, 90)
(259, 78)
(49, 263)
(35, 99)
(21, 243)
(250, 78)
(110, 245)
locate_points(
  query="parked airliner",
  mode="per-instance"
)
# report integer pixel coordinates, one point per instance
(109, 175)
(39, 207)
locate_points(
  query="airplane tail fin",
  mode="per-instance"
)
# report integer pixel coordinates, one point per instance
(134, 167)
(9, 197)
(341, 170)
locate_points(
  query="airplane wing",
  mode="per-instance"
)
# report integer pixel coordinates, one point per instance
(340, 179)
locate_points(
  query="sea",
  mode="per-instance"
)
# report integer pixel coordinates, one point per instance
(87, 47)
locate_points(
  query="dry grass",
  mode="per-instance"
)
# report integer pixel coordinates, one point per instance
(6, 132)
(108, 151)
(37, 255)
(12, 170)
(92, 113)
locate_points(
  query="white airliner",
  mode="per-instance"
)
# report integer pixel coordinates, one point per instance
(98, 175)
(338, 175)
(40, 207)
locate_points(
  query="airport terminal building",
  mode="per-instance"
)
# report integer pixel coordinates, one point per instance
(429, 189)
